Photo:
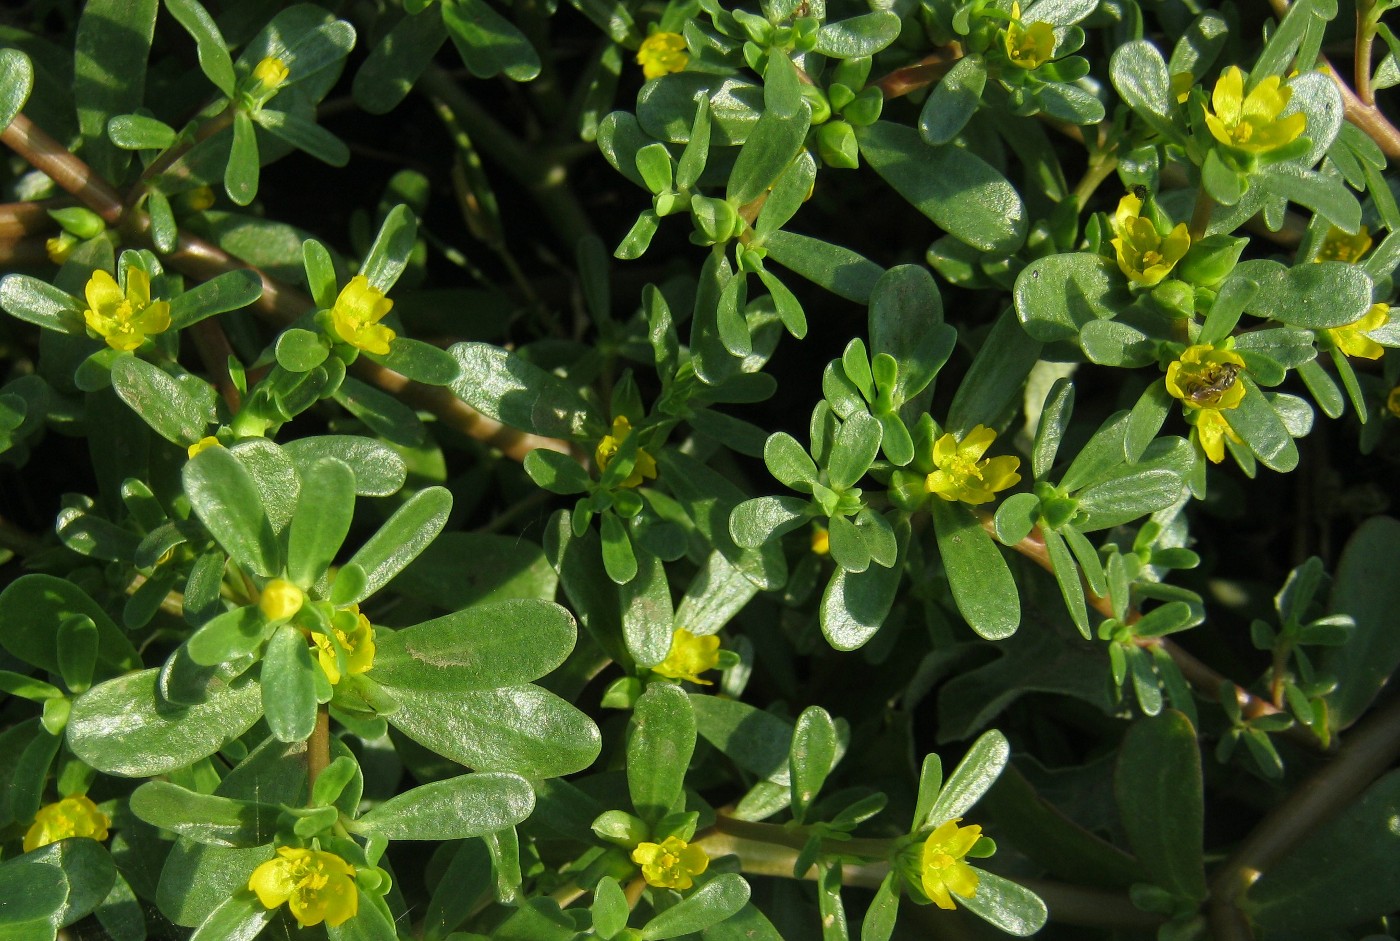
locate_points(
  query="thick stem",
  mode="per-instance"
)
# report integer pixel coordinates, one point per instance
(21, 219)
(318, 747)
(46, 154)
(1361, 64)
(1369, 751)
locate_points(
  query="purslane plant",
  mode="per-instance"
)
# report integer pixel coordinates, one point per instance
(435, 576)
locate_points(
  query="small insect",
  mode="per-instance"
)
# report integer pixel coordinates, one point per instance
(1140, 191)
(1215, 379)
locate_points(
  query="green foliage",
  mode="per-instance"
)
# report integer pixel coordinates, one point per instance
(583, 532)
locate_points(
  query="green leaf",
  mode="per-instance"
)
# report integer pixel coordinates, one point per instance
(458, 808)
(155, 737)
(488, 43)
(1314, 295)
(239, 917)
(1057, 295)
(232, 290)
(879, 921)
(665, 107)
(982, 585)
(504, 567)
(660, 742)
(227, 636)
(839, 270)
(510, 390)
(138, 132)
(1255, 420)
(16, 82)
(953, 101)
(479, 648)
(972, 778)
(774, 142)
(855, 604)
(227, 501)
(708, 905)
(33, 605)
(39, 302)
(300, 350)
(214, 59)
(172, 407)
(609, 909)
(955, 188)
(523, 729)
(52, 887)
(1330, 878)
(1158, 788)
(394, 65)
(1326, 196)
(241, 174)
(378, 469)
(788, 194)
(753, 739)
(1363, 589)
(1013, 908)
(289, 685)
(858, 36)
(811, 757)
(1054, 419)
(204, 818)
(646, 611)
(402, 537)
(304, 135)
(854, 449)
(1125, 494)
(1140, 75)
(109, 74)
(391, 249)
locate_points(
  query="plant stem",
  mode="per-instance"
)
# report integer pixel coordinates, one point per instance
(21, 219)
(766, 849)
(318, 747)
(1369, 751)
(1361, 64)
(71, 173)
(1200, 217)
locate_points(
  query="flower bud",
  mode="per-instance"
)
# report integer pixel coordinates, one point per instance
(836, 143)
(280, 599)
(865, 109)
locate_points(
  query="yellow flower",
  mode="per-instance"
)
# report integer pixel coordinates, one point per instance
(1392, 402)
(316, 886)
(670, 864)
(124, 320)
(280, 600)
(1206, 378)
(60, 247)
(1211, 431)
(689, 656)
(661, 54)
(1144, 255)
(821, 540)
(1251, 122)
(358, 645)
(357, 313)
(963, 475)
(942, 870)
(1031, 46)
(203, 444)
(643, 468)
(1351, 338)
(1340, 245)
(270, 73)
(72, 816)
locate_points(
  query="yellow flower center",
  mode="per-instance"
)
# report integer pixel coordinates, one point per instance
(69, 817)
(670, 864)
(1206, 378)
(124, 319)
(661, 54)
(962, 473)
(356, 315)
(358, 644)
(1252, 122)
(316, 886)
(689, 656)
